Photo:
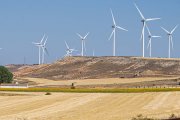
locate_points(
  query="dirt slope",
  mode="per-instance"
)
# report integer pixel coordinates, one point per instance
(102, 67)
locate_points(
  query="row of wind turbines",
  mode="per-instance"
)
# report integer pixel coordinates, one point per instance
(150, 36)
(69, 51)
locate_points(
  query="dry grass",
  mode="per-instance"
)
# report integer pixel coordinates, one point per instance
(89, 106)
(43, 82)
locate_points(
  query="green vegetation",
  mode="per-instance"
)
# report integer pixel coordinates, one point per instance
(95, 90)
(5, 75)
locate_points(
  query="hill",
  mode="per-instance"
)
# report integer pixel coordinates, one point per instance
(101, 67)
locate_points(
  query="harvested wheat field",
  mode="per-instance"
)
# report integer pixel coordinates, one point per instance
(87, 106)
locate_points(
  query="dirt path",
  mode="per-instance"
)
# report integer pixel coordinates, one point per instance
(88, 106)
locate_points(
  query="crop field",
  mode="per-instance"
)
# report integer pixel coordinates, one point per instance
(87, 106)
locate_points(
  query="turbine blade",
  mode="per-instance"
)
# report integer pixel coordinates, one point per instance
(35, 43)
(111, 35)
(86, 35)
(66, 45)
(156, 36)
(174, 29)
(85, 46)
(114, 22)
(149, 43)
(151, 19)
(165, 30)
(79, 35)
(42, 39)
(148, 30)
(142, 33)
(121, 28)
(172, 42)
(46, 51)
(46, 41)
(73, 50)
(139, 11)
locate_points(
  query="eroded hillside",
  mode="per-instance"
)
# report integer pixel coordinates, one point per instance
(101, 67)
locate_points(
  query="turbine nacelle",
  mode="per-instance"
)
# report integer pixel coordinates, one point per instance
(113, 26)
(143, 20)
(169, 34)
(149, 36)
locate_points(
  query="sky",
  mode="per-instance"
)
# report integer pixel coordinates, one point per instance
(25, 21)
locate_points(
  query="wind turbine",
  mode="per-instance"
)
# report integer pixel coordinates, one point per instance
(114, 27)
(150, 36)
(83, 43)
(170, 38)
(44, 50)
(144, 20)
(69, 51)
(38, 44)
(93, 53)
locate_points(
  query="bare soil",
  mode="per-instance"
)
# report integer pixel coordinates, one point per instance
(71, 68)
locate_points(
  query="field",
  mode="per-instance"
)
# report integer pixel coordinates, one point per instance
(106, 88)
(87, 106)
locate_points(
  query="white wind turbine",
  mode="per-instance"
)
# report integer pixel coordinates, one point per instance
(170, 38)
(83, 43)
(144, 20)
(44, 50)
(69, 51)
(93, 52)
(150, 36)
(114, 27)
(38, 44)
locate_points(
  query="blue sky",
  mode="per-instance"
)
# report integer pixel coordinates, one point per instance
(25, 21)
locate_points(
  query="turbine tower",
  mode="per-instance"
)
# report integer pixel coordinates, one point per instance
(39, 46)
(44, 50)
(83, 43)
(144, 20)
(150, 36)
(170, 38)
(114, 27)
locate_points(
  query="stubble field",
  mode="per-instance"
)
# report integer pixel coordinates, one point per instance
(87, 106)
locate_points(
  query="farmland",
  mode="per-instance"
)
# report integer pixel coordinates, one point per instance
(70, 106)
(112, 88)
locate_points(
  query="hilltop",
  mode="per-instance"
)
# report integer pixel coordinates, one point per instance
(101, 67)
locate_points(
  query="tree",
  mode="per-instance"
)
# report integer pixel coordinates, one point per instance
(5, 75)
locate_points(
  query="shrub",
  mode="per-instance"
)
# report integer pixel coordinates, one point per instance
(141, 117)
(48, 93)
(172, 116)
(72, 86)
(5, 75)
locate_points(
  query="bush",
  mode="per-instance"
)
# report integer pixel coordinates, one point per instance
(5, 75)
(172, 116)
(48, 93)
(141, 117)
(72, 86)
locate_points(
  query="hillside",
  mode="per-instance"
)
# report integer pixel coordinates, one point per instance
(102, 67)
